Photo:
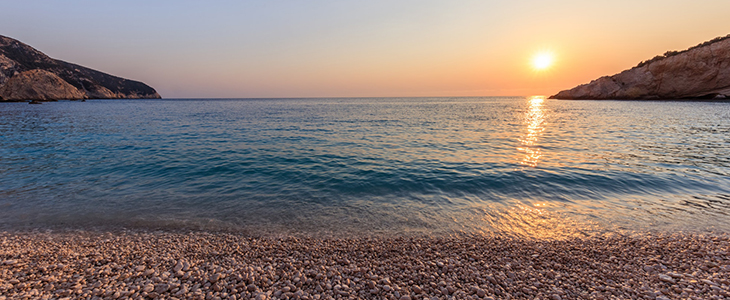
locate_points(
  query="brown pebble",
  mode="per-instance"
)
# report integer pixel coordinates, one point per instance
(481, 293)
(10, 262)
(666, 278)
(78, 265)
(178, 267)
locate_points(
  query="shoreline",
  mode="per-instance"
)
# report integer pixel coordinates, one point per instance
(207, 265)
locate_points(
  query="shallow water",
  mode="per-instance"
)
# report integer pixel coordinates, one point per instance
(527, 167)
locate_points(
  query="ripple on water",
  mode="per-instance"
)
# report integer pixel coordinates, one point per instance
(525, 167)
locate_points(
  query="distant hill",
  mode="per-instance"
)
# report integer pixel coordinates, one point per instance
(700, 72)
(28, 74)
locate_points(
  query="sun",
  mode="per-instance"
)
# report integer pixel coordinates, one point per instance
(542, 60)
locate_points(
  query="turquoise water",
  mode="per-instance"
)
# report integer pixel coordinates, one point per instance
(520, 166)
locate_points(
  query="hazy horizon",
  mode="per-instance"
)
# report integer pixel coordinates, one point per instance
(360, 49)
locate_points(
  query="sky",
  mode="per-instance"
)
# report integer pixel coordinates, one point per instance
(373, 48)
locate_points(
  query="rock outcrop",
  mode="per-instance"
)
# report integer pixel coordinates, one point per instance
(39, 85)
(28, 74)
(700, 72)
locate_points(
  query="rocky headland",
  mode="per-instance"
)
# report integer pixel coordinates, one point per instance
(28, 74)
(700, 72)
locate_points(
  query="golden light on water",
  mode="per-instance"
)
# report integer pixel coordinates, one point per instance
(542, 60)
(534, 121)
(538, 220)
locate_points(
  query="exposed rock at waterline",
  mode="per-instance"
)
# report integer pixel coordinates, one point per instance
(39, 85)
(700, 72)
(28, 74)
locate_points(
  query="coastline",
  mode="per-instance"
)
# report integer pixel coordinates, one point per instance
(719, 100)
(209, 265)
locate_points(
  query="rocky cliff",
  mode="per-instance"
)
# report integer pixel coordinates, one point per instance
(28, 74)
(700, 72)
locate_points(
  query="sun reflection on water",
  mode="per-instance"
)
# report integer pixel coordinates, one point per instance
(534, 120)
(529, 216)
(540, 220)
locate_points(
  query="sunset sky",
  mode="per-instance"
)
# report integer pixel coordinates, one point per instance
(371, 48)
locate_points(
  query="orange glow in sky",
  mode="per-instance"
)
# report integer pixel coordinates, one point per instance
(374, 48)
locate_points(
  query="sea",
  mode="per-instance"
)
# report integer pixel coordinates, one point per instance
(513, 167)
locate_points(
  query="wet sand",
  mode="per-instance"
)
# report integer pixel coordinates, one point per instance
(201, 265)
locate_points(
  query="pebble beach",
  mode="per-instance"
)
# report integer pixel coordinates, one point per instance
(205, 265)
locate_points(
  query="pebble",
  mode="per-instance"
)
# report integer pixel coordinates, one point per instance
(178, 267)
(161, 288)
(666, 278)
(675, 275)
(10, 262)
(204, 265)
(481, 293)
(371, 284)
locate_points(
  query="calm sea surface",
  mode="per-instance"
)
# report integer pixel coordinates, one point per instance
(522, 166)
